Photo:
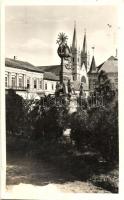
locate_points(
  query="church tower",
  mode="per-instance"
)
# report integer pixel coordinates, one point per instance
(75, 57)
(84, 56)
(93, 74)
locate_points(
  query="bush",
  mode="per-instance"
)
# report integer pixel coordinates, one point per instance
(79, 128)
(103, 125)
(107, 181)
(14, 113)
(48, 119)
(97, 129)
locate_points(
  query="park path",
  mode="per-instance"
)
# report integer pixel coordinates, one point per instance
(28, 178)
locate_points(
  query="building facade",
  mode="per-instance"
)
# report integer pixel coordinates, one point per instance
(30, 81)
(27, 80)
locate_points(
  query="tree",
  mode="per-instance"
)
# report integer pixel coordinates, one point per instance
(104, 88)
(79, 128)
(97, 129)
(14, 113)
(49, 119)
(103, 127)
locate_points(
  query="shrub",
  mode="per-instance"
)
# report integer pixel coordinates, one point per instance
(107, 181)
(97, 128)
(48, 119)
(103, 126)
(14, 113)
(79, 128)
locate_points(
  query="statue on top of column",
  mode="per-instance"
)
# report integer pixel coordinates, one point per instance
(63, 49)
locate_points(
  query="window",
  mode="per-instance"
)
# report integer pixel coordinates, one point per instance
(45, 86)
(13, 81)
(28, 83)
(90, 84)
(83, 79)
(20, 81)
(73, 59)
(6, 81)
(73, 78)
(35, 83)
(52, 86)
(40, 84)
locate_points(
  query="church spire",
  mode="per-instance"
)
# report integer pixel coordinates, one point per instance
(84, 49)
(74, 42)
(93, 63)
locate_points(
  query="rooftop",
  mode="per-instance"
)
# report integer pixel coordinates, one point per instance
(51, 68)
(93, 68)
(9, 62)
(110, 65)
(50, 76)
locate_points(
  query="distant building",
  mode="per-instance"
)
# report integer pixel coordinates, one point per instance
(30, 81)
(27, 80)
(50, 81)
(82, 71)
(110, 66)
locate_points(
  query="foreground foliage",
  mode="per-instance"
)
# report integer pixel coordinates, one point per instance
(97, 130)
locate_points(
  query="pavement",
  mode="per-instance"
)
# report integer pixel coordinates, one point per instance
(29, 179)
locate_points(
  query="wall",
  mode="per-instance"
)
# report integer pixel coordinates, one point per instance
(114, 79)
(49, 86)
(23, 81)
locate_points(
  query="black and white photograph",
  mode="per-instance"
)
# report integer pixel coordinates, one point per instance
(61, 100)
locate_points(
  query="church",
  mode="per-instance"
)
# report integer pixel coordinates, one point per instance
(78, 68)
(32, 81)
(80, 71)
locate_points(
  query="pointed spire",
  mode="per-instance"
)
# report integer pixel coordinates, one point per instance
(88, 58)
(84, 49)
(93, 66)
(74, 42)
(116, 53)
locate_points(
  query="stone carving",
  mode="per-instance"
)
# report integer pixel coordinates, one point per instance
(63, 49)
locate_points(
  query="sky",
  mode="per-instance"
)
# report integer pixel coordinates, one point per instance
(31, 31)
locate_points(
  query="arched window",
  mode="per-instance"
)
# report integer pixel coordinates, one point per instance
(28, 83)
(83, 79)
(35, 83)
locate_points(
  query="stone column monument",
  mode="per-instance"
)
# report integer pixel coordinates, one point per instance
(66, 65)
(65, 87)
